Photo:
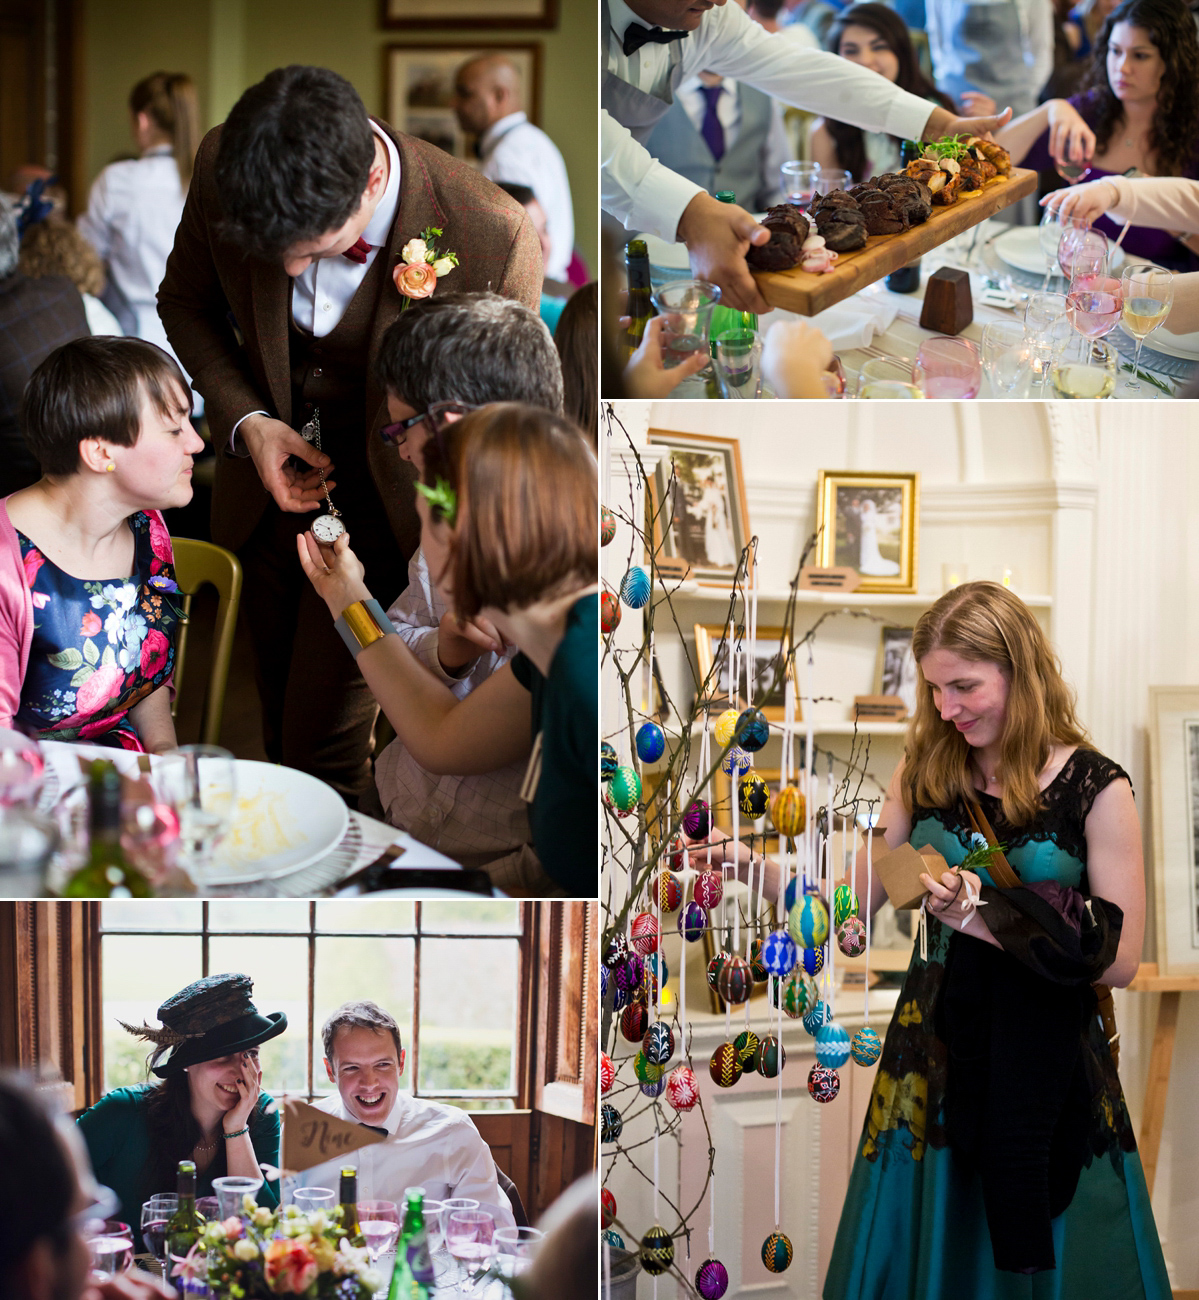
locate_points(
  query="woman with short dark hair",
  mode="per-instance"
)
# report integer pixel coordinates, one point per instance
(87, 585)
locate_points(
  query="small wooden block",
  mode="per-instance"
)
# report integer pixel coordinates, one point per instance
(839, 578)
(879, 708)
(948, 307)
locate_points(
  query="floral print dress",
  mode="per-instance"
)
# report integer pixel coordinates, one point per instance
(99, 647)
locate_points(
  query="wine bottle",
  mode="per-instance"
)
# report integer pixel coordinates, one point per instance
(349, 1206)
(412, 1277)
(640, 306)
(186, 1224)
(107, 873)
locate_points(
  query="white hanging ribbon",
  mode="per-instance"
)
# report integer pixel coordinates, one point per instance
(869, 884)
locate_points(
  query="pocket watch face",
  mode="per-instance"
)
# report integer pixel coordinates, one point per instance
(327, 529)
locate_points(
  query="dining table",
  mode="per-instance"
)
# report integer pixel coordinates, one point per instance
(876, 322)
(340, 841)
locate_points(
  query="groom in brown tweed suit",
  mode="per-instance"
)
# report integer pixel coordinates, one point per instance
(284, 228)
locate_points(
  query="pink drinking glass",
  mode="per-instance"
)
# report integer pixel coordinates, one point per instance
(1081, 251)
(948, 367)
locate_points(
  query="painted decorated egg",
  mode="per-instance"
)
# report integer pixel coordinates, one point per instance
(799, 994)
(808, 920)
(676, 855)
(771, 1057)
(832, 1045)
(658, 1043)
(669, 890)
(845, 904)
(607, 1072)
(777, 1252)
(711, 1279)
(726, 727)
(693, 921)
(628, 974)
(753, 731)
(624, 788)
(682, 1090)
(645, 1070)
(753, 795)
(724, 1067)
(779, 953)
(650, 741)
(657, 1251)
(789, 812)
(634, 587)
(634, 1021)
(756, 969)
(613, 1238)
(610, 1123)
(866, 1047)
(734, 982)
(794, 885)
(617, 950)
(647, 989)
(746, 1044)
(656, 965)
(607, 1208)
(697, 820)
(715, 966)
(735, 762)
(643, 933)
(607, 525)
(811, 960)
(609, 613)
(708, 889)
(607, 761)
(851, 936)
(620, 997)
(823, 1083)
(653, 1087)
(818, 1015)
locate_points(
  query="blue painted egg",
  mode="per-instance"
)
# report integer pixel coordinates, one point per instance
(832, 1045)
(736, 761)
(613, 1238)
(653, 1087)
(779, 953)
(866, 1047)
(777, 1252)
(651, 743)
(608, 762)
(818, 1016)
(634, 587)
(811, 960)
(808, 921)
(753, 731)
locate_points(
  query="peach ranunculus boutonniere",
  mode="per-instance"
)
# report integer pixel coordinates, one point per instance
(422, 266)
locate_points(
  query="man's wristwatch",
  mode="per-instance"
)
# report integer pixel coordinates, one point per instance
(362, 624)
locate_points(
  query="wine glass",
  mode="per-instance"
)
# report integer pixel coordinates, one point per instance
(109, 1248)
(308, 1199)
(1070, 172)
(379, 1223)
(1091, 377)
(948, 367)
(513, 1249)
(468, 1235)
(22, 768)
(1007, 357)
(1048, 327)
(1148, 292)
(200, 784)
(801, 177)
(1081, 250)
(156, 1214)
(888, 390)
(448, 1207)
(1053, 226)
(208, 1207)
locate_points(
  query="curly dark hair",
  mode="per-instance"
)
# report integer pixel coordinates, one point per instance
(850, 140)
(1174, 132)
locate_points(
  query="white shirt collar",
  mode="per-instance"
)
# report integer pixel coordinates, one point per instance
(378, 228)
(620, 16)
(391, 1123)
(499, 128)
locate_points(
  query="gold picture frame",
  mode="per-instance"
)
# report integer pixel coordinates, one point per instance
(870, 522)
(711, 644)
(1174, 716)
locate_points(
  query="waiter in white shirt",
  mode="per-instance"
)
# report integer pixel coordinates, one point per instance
(487, 101)
(429, 1145)
(652, 46)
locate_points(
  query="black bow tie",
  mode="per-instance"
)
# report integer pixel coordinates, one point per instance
(635, 36)
(374, 1128)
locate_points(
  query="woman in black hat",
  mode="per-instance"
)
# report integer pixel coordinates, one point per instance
(208, 1108)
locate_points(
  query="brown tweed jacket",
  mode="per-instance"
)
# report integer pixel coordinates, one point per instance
(226, 315)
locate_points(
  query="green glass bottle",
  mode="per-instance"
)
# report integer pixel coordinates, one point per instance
(412, 1277)
(349, 1206)
(726, 319)
(107, 873)
(640, 306)
(186, 1224)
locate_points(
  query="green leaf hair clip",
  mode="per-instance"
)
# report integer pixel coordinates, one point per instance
(442, 499)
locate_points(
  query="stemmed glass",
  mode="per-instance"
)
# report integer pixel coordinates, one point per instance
(379, 1223)
(1007, 358)
(948, 367)
(109, 1247)
(1148, 292)
(449, 1207)
(468, 1236)
(513, 1249)
(1048, 327)
(1092, 377)
(1081, 250)
(1093, 304)
(200, 784)
(1053, 226)
(156, 1214)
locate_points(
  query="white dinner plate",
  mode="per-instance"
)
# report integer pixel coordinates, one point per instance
(285, 820)
(1183, 346)
(1021, 247)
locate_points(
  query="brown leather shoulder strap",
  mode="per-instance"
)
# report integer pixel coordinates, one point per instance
(999, 868)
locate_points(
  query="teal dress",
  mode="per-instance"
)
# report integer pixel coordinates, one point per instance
(914, 1226)
(118, 1142)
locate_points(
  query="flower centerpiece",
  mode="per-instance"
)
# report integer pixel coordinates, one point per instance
(267, 1252)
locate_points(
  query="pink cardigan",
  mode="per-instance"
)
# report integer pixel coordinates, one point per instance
(16, 620)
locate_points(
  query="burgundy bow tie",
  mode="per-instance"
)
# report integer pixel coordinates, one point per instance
(358, 251)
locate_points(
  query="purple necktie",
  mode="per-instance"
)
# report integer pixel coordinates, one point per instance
(712, 131)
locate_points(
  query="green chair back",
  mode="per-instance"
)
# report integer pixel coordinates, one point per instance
(197, 563)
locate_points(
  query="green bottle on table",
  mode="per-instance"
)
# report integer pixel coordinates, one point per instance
(640, 306)
(727, 321)
(107, 873)
(412, 1277)
(349, 1206)
(186, 1224)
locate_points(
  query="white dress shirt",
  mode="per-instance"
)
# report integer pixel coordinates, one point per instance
(458, 815)
(777, 149)
(515, 150)
(645, 195)
(429, 1145)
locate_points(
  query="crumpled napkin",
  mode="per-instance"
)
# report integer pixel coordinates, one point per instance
(854, 326)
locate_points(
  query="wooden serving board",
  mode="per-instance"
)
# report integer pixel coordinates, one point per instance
(806, 294)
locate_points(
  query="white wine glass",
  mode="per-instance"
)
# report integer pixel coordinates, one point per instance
(1090, 377)
(1148, 293)
(379, 1223)
(200, 784)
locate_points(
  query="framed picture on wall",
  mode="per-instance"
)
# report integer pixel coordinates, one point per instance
(1174, 712)
(870, 522)
(897, 671)
(420, 88)
(469, 13)
(697, 497)
(712, 656)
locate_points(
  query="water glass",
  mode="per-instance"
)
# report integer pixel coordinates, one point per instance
(231, 1192)
(1147, 292)
(686, 310)
(833, 179)
(22, 768)
(513, 1249)
(1089, 377)
(109, 1248)
(433, 1228)
(888, 390)
(801, 179)
(1048, 327)
(308, 1199)
(200, 783)
(379, 1223)
(1007, 358)
(738, 358)
(948, 367)
(885, 369)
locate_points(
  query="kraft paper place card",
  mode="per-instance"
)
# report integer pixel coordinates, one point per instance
(310, 1137)
(899, 870)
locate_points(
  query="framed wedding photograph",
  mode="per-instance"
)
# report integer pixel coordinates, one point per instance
(897, 669)
(420, 88)
(1174, 716)
(697, 498)
(713, 660)
(469, 13)
(870, 523)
